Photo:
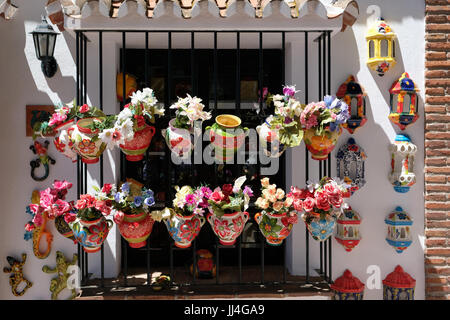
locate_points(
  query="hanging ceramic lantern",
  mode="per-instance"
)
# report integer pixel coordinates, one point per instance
(399, 229)
(398, 285)
(404, 102)
(347, 233)
(381, 47)
(347, 287)
(350, 165)
(402, 151)
(353, 95)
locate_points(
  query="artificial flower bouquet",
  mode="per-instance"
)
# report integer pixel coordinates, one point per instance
(130, 131)
(230, 198)
(47, 204)
(179, 135)
(130, 206)
(325, 197)
(278, 214)
(65, 114)
(322, 124)
(328, 114)
(227, 207)
(321, 203)
(191, 201)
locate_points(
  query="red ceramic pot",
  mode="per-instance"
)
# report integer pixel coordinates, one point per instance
(135, 148)
(229, 226)
(136, 228)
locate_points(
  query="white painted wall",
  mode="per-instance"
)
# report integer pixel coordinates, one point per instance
(23, 83)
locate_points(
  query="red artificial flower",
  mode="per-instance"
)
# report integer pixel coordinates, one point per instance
(216, 196)
(107, 188)
(29, 227)
(308, 204)
(81, 204)
(70, 217)
(84, 108)
(139, 120)
(322, 201)
(227, 189)
(300, 193)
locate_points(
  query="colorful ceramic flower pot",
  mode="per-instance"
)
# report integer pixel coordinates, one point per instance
(184, 229)
(227, 136)
(62, 140)
(275, 227)
(269, 140)
(179, 141)
(85, 141)
(136, 228)
(91, 234)
(321, 227)
(321, 145)
(135, 148)
(229, 226)
(63, 228)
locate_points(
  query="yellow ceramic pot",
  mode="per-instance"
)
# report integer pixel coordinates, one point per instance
(321, 145)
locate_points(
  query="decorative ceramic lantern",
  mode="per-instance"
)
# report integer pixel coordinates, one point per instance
(350, 165)
(381, 47)
(347, 233)
(398, 285)
(347, 287)
(353, 95)
(404, 102)
(399, 229)
(402, 151)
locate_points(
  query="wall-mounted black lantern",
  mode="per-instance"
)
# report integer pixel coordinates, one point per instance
(44, 42)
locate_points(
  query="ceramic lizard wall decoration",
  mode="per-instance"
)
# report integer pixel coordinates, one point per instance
(17, 275)
(59, 283)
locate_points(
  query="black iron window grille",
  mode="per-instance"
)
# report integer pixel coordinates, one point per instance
(165, 173)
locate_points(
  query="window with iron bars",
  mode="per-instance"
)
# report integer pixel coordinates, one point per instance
(218, 76)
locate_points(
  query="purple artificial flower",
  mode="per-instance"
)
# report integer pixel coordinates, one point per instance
(248, 191)
(287, 120)
(289, 91)
(328, 101)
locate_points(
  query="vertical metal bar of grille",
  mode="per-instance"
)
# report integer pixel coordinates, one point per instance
(238, 72)
(167, 105)
(122, 156)
(306, 153)
(78, 157)
(283, 171)
(146, 79)
(217, 261)
(261, 74)
(85, 165)
(215, 112)
(100, 54)
(194, 92)
(329, 156)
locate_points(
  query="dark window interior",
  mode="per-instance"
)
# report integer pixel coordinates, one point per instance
(160, 174)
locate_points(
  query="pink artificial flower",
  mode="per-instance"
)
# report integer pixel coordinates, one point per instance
(35, 208)
(60, 207)
(46, 198)
(57, 118)
(81, 204)
(84, 108)
(298, 204)
(29, 227)
(216, 196)
(289, 91)
(38, 220)
(322, 201)
(61, 185)
(312, 122)
(118, 217)
(336, 201)
(308, 204)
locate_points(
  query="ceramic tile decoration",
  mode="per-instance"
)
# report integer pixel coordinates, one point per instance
(398, 285)
(347, 232)
(399, 229)
(350, 165)
(403, 101)
(381, 47)
(347, 287)
(354, 96)
(402, 152)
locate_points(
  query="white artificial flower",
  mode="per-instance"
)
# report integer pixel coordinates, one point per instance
(124, 115)
(277, 97)
(239, 182)
(107, 137)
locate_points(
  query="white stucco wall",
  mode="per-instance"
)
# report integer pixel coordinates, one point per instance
(23, 83)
